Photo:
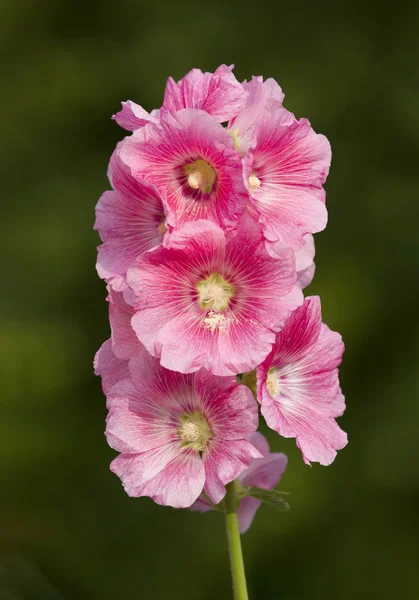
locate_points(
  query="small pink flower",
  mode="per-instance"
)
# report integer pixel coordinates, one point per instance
(284, 171)
(298, 385)
(191, 158)
(130, 220)
(263, 99)
(179, 434)
(213, 301)
(264, 473)
(219, 94)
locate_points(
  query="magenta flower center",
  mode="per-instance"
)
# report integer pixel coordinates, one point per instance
(194, 431)
(272, 382)
(214, 293)
(200, 176)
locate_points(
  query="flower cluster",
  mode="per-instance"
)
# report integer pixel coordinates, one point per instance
(207, 247)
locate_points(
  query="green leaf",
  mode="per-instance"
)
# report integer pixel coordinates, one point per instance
(273, 498)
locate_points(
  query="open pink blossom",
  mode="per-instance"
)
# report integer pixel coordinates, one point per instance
(263, 98)
(132, 116)
(284, 171)
(191, 158)
(211, 300)
(179, 434)
(264, 473)
(298, 384)
(219, 94)
(130, 220)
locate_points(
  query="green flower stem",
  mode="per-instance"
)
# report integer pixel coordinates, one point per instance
(234, 544)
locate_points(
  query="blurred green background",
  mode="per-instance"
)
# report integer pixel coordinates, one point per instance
(67, 529)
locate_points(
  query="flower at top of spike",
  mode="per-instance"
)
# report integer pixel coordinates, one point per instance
(179, 434)
(191, 158)
(212, 300)
(298, 385)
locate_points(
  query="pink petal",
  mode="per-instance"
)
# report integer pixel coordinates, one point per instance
(124, 341)
(258, 440)
(265, 472)
(223, 463)
(180, 483)
(263, 99)
(109, 367)
(169, 475)
(246, 512)
(230, 409)
(219, 94)
(134, 423)
(132, 116)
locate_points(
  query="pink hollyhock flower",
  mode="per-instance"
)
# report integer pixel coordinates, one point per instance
(132, 116)
(219, 94)
(284, 171)
(179, 434)
(211, 300)
(264, 473)
(130, 220)
(263, 99)
(298, 385)
(192, 159)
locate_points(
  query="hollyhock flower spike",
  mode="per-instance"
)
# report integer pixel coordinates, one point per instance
(207, 244)
(179, 434)
(130, 220)
(191, 158)
(263, 473)
(298, 386)
(284, 172)
(219, 94)
(212, 300)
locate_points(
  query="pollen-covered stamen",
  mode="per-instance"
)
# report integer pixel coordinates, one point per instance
(190, 431)
(194, 431)
(272, 382)
(200, 176)
(214, 292)
(254, 182)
